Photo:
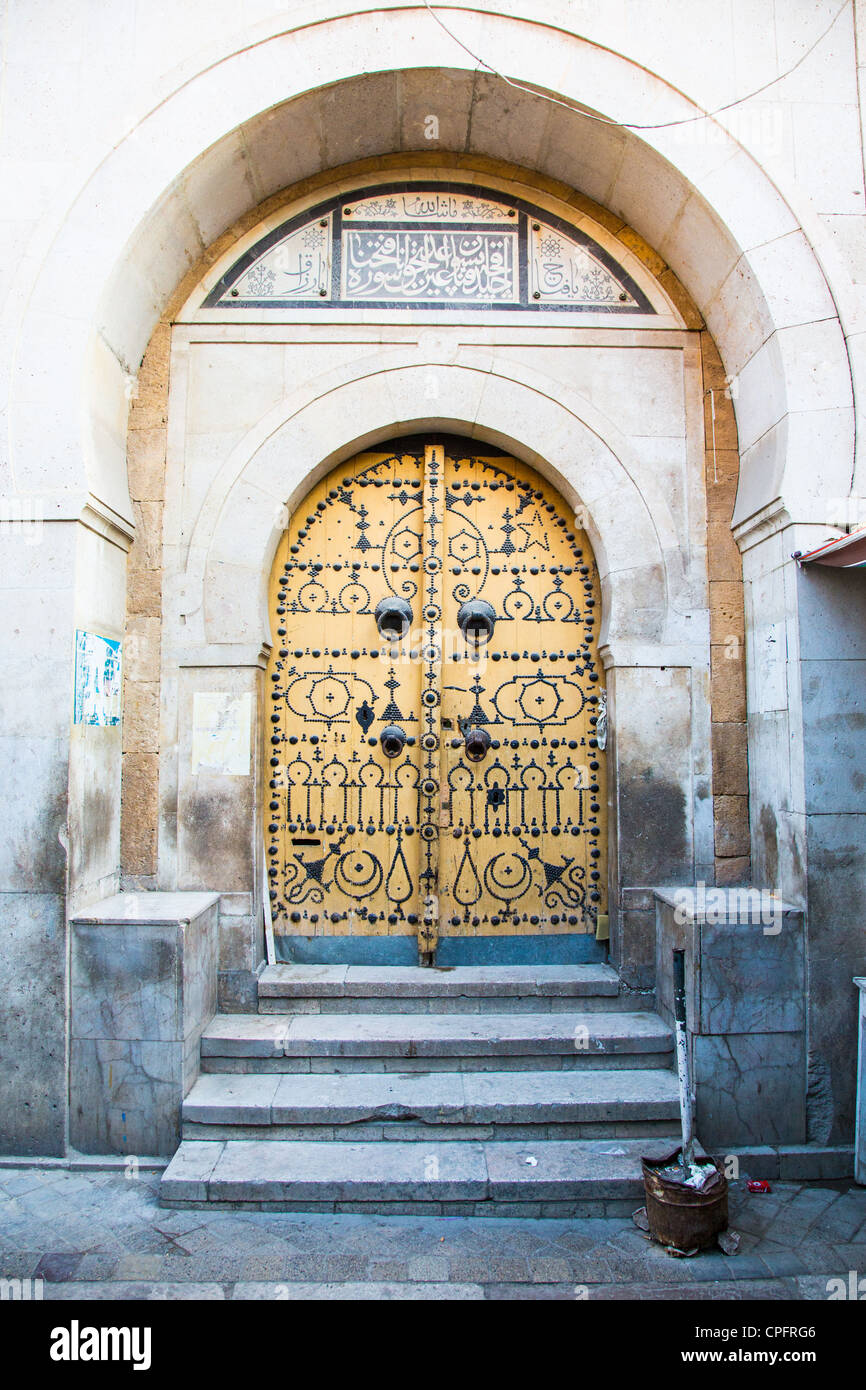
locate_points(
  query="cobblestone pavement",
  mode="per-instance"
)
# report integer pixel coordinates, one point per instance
(97, 1235)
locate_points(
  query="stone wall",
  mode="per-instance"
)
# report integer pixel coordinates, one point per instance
(727, 628)
(148, 418)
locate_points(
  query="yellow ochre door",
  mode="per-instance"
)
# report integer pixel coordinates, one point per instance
(436, 710)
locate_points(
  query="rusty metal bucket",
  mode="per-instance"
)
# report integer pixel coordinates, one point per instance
(686, 1218)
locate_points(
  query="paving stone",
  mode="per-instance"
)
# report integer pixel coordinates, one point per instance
(529, 1257)
(97, 1266)
(19, 1264)
(428, 1268)
(815, 1287)
(752, 1267)
(815, 1254)
(263, 1267)
(363, 1292)
(57, 1267)
(545, 1270)
(536, 1293)
(346, 1267)
(843, 1220)
(389, 1270)
(786, 1262)
(139, 1267)
(133, 1291)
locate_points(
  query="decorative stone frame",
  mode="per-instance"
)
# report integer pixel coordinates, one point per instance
(654, 664)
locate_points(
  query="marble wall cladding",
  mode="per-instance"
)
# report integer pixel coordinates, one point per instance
(32, 1023)
(752, 977)
(836, 878)
(831, 634)
(750, 1089)
(125, 1096)
(860, 1133)
(143, 983)
(745, 1010)
(674, 932)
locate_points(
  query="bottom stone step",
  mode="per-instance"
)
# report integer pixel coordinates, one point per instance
(551, 1178)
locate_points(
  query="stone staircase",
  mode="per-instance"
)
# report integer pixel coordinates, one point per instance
(509, 1090)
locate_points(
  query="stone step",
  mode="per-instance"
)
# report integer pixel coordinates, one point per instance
(457, 1105)
(425, 1042)
(551, 1178)
(461, 989)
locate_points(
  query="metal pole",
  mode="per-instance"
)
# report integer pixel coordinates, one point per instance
(688, 1149)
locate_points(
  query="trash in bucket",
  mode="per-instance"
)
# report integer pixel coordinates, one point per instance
(686, 1206)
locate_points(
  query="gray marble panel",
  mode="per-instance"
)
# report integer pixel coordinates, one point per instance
(198, 975)
(834, 734)
(125, 1097)
(832, 613)
(125, 982)
(675, 931)
(837, 952)
(144, 986)
(752, 982)
(751, 1089)
(33, 1080)
(860, 1128)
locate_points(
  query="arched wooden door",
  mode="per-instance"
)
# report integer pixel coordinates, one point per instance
(436, 710)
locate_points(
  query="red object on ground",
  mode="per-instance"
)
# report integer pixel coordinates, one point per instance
(758, 1185)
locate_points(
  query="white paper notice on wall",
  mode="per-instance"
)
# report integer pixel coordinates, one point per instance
(221, 733)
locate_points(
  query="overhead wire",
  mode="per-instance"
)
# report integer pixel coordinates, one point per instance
(634, 125)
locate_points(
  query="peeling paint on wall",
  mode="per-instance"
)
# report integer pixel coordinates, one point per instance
(221, 733)
(97, 679)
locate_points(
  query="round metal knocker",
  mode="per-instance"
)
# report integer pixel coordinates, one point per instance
(477, 744)
(393, 617)
(393, 741)
(476, 619)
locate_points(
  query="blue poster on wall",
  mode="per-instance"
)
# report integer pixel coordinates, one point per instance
(97, 679)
